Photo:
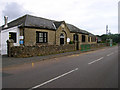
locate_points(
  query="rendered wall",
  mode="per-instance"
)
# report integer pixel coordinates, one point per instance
(5, 37)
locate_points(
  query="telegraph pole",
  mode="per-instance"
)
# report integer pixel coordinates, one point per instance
(108, 39)
(107, 35)
(106, 29)
(109, 32)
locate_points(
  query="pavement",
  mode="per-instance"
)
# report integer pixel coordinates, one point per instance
(11, 61)
(96, 69)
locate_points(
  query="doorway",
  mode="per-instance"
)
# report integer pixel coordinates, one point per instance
(62, 39)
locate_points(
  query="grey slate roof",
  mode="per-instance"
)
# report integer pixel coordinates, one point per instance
(57, 24)
(32, 21)
(16, 22)
(42, 23)
(74, 29)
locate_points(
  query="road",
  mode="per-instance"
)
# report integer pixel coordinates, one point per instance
(95, 69)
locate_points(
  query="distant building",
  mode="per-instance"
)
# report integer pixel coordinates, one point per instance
(99, 39)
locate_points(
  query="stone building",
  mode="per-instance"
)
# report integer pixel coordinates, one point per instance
(31, 30)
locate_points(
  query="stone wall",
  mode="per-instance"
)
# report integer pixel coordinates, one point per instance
(30, 36)
(29, 51)
(98, 45)
(66, 33)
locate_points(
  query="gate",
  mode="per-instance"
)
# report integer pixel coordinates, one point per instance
(85, 47)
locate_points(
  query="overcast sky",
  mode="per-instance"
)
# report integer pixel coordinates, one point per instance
(90, 15)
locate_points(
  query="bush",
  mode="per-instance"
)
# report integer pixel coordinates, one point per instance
(103, 42)
(114, 43)
(71, 42)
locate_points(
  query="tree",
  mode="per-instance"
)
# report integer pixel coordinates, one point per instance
(114, 37)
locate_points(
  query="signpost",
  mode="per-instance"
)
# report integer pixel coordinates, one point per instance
(21, 37)
(68, 39)
(110, 42)
(21, 42)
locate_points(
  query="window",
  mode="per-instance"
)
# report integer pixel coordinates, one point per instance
(93, 39)
(83, 38)
(88, 39)
(12, 35)
(61, 35)
(75, 37)
(41, 37)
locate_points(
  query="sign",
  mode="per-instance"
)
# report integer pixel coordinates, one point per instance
(21, 42)
(111, 42)
(68, 39)
(21, 37)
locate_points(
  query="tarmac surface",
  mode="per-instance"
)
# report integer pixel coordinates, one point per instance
(94, 69)
(11, 61)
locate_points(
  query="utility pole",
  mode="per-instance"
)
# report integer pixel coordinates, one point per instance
(109, 32)
(107, 35)
(108, 39)
(106, 29)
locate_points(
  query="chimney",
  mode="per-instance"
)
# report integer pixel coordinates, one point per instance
(5, 20)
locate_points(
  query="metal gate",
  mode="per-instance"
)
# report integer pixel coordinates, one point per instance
(85, 47)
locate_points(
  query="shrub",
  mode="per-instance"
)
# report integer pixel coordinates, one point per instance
(71, 42)
(114, 43)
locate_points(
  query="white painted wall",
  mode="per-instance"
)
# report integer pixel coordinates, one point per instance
(0, 42)
(5, 37)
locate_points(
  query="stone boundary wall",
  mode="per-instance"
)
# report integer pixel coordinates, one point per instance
(30, 51)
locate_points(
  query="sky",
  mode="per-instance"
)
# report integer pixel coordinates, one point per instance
(89, 15)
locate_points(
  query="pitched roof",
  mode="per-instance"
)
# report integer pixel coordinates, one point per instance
(57, 24)
(38, 22)
(42, 23)
(74, 29)
(16, 22)
(32, 21)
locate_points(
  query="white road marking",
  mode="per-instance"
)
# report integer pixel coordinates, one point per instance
(110, 54)
(96, 60)
(53, 79)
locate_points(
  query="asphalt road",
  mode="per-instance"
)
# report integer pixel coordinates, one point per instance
(95, 69)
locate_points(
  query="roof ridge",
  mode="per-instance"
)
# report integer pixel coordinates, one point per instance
(44, 18)
(39, 17)
(17, 19)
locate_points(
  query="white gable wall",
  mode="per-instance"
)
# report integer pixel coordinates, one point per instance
(5, 37)
(0, 42)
